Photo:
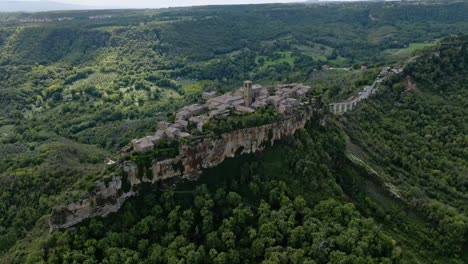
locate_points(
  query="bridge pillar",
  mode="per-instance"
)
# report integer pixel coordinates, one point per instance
(345, 106)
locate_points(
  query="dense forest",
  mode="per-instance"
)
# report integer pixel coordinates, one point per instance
(415, 133)
(77, 86)
(263, 210)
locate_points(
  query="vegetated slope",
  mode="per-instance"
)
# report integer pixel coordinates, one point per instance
(280, 206)
(415, 135)
(30, 180)
(49, 44)
(301, 201)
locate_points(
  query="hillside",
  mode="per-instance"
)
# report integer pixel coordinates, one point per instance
(318, 195)
(384, 183)
(414, 134)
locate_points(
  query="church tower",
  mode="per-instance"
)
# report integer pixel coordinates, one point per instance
(248, 93)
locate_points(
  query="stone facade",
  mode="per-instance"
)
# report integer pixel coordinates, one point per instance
(245, 100)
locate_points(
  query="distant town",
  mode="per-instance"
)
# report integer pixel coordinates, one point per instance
(45, 19)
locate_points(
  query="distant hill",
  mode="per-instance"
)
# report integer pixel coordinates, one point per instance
(37, 6)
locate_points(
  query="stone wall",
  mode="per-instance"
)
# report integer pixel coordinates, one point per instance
(198, 154)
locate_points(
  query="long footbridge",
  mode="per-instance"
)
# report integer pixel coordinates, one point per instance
(348, 105)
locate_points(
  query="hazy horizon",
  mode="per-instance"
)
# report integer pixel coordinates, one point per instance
(151, 3)
(155, 3)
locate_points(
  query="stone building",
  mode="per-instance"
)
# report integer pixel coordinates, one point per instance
(248, 93)
(208, 95)
(284, 99)
(189, 111)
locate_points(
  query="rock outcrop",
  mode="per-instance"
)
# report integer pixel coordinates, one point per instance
(107, 198)
(200, 153)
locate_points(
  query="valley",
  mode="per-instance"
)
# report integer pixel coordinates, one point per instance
(339, 155)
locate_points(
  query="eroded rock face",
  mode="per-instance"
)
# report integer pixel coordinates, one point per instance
(199, 154)
(107, 198)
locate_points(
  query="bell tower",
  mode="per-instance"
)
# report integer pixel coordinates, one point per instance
(248, 93)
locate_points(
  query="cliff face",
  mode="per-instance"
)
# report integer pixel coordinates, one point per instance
(199, 154)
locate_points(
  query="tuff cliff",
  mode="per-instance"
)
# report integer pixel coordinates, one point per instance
(200, 153)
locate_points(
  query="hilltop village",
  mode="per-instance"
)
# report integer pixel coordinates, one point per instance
(245, 100)
(293, 101)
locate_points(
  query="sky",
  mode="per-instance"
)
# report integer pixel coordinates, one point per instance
(164, 3)
(167, 3)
